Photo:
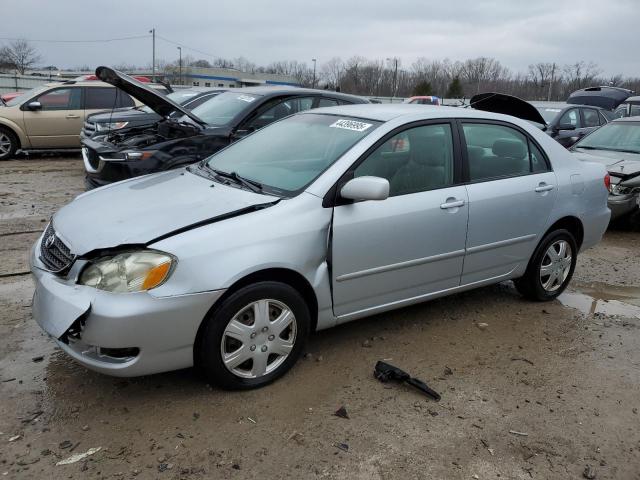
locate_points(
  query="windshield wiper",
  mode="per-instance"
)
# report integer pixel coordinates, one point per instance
(250, 184)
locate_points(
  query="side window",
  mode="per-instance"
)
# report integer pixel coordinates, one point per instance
(620, 112)
(61, 99)
(281, 109)
(415, 160)
(105, 98)
(590, 117)
(570, 117)
(495, 151)
(538, 162)
(603, 119)
(635, 110)
(327, 102)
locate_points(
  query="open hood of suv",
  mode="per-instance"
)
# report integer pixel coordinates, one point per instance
(138, 90)
(507, 105)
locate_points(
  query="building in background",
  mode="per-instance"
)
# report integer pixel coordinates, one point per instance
(226, 77)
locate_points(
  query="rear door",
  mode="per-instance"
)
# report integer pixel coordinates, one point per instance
(511, 191)
(403, 248)
(58, 122)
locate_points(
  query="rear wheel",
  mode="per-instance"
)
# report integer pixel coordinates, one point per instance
(8, 144)
(254, 336)
(551, 267)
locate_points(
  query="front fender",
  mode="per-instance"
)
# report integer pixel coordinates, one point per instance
(17, 129)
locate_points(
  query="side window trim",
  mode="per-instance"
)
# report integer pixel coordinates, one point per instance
(62, 87)
(465, 158)
(332, 198)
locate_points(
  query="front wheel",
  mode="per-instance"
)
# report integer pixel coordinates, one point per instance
(551, 267)
(8, 144)
(254, 336)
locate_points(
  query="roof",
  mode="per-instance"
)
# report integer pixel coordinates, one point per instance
(280, 89)
(389, 111)
(627, 119)
(632, 99)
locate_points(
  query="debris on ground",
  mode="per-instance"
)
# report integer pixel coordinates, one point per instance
(37, 359)
(385, 372)
(15, 437)
(482, 325)
(522, 359)
(520, 434)
(589, 472)
(79, 456)
(342, 412)
(342, 446)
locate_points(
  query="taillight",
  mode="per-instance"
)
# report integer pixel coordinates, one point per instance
(607, 181)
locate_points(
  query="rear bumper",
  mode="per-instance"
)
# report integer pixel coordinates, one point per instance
(94, 326)
(622, 205)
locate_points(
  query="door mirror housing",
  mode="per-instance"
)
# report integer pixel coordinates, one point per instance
(366, 188)
(565, 126)
(34, 106)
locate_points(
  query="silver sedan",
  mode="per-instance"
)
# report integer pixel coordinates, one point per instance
(322, 218)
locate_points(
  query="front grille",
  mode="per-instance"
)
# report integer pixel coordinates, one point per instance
(89, 129)
(55, 255)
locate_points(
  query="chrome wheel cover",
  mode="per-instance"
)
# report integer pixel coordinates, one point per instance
(5, 144)
(556, 264)
(258, 339)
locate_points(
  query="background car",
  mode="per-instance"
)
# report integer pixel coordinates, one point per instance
(51, 117)
(617, 146)
(187, 136)
(568, 123)
(143, 116)
(423, 100)
(310, 222)
(606, 97)
(629, 108)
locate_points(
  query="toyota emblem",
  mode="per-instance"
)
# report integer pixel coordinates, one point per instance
(50, 241)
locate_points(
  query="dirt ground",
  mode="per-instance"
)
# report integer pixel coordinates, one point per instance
(541, 391)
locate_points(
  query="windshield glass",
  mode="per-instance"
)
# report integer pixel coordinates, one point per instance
(221, 109)
(180, 97)
(549, 113)
(288, 155)
(614, 136)
(25, 96)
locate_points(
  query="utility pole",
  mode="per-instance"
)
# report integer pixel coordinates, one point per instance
(153, 58)
(395, 78)
(313, 84)
(180, 63)
(553, 71)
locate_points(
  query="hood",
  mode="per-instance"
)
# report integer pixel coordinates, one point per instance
(619, 164)
(507, 105)
(604, 97)
(145, 209)
(159, 103)
(125, 115)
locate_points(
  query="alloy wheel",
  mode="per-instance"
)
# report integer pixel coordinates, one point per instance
(5, 144)
(258, 339)
(556, 265)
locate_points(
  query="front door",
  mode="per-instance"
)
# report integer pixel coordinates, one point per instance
(411, 244)
(511, 191)
(58, 122)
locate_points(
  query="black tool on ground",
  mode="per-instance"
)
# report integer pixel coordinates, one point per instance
(385, 372)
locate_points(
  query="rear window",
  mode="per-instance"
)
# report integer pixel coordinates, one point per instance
(106, 98)
(221, 109)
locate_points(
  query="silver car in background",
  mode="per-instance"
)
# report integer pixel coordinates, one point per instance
(319, 219)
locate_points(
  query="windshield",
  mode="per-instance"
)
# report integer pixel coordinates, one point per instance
(25, 96)
(288, 155)
(180, 97)
(221, 109)
(619, 137)
(549, 113)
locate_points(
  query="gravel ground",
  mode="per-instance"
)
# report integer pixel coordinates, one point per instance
(541, 391)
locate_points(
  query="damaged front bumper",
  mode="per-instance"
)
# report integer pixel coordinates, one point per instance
(118, 334)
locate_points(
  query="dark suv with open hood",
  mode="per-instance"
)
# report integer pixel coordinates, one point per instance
(185, 136)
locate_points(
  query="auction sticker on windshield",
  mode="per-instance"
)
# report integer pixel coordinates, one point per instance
(246, 98)
(351, 125)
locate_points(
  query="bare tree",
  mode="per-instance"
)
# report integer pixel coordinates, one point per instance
(332, 72)
(20, 54)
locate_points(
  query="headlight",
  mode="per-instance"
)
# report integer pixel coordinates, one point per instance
(128, 272)
(101, 127)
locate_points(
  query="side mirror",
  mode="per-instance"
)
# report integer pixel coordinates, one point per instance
(565, 126)
(366, 188)
(34, 106)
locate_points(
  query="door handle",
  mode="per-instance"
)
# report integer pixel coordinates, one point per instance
(71, 115)
(452, 203)
(544, 187)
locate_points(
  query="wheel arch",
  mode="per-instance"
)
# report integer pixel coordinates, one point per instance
(570, 223)
(15, 130)
(284, 275)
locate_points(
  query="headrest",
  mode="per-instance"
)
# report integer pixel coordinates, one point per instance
(427, 150)
(505, 147)
(474, 153)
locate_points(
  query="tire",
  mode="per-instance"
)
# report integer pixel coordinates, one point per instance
(254, 350)
(535, 284)
(8, 144)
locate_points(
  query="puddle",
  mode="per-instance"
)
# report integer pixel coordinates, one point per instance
(604, 299)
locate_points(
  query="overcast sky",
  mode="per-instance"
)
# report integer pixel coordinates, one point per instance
(516, 32)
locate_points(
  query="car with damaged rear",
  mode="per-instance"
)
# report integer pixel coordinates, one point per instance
(319, 219)
(186, 136)
(617, 147)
